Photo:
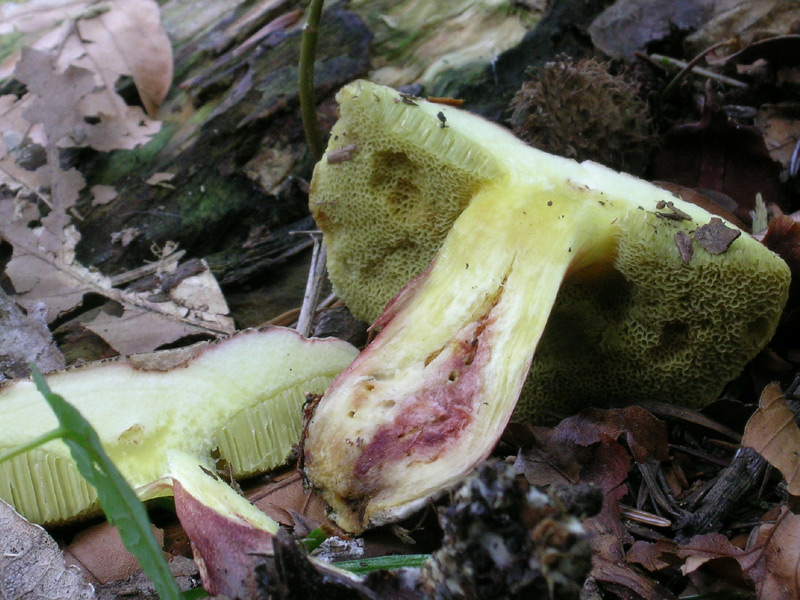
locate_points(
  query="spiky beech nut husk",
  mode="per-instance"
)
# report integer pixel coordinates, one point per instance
(661, 289)
(242, 396)
(504, 538)
(581, 111)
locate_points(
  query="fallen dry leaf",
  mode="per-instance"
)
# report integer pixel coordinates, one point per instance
(720, 155)
(781, 126)
(715, 237)
(25, 338)
(99, 553)
(584, 448)
(645, 435)
(130, 40)
(653, 556)
(771, 560)
(703, 549)
(750, 20)
(31, 565)
(629, 26)
(773, 433)
(618, 577)
(285, 496)
(194, 305)
(776, 550)
(103, 194)
(157, 178)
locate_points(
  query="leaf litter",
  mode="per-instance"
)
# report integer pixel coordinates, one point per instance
(70, 74)
(607, 448)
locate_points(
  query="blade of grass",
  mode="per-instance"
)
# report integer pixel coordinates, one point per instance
(313, 540)
(397, 561)
(118, 501)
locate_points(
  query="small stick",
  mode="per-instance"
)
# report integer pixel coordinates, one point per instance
(690, 67)
(666, 60)
(316, 274)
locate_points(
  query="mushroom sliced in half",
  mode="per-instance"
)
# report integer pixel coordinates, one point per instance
(243, 396)
(429, 398)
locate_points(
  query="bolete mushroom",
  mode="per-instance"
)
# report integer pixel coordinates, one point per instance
(643, 294)
(243, 396)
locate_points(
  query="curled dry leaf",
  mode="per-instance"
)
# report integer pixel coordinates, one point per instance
(619, 578)
(584, 449)
(705, 548)
(771, 559)
(31, 565)
(773, 433)
(130, 40)
(776, 550)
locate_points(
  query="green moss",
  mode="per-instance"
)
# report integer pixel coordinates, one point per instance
(11, 43)
(113, 166)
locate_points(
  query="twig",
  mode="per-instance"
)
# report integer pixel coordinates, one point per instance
(733, 484)
(666, 60)
(316, 275)
(308, 105)
(689, 67)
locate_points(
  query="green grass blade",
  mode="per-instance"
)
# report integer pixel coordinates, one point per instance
(314, 539)
(397, 561)
(118, 501)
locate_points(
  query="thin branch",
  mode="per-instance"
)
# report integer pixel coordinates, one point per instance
(316, 276)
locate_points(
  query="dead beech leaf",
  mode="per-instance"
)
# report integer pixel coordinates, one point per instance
(610, 568)
(653, 556)
(98, 551)
(624, 28)
(194, 304)
(285, 496)
(130, 40)
(773, 433)
(584, 447)
(697, 155)
(138, 330)
(771, 560)
(645, 435)
(103, 194)
(157, 178)
(774, 558)
(702, 549)
(567, 455)
(715, 237)
(783, 238)
(31, 565)
(781, 127)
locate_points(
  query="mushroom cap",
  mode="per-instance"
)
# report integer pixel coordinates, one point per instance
(645, 323)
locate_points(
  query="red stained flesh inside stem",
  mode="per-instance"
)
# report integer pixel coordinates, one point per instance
(431, 419)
